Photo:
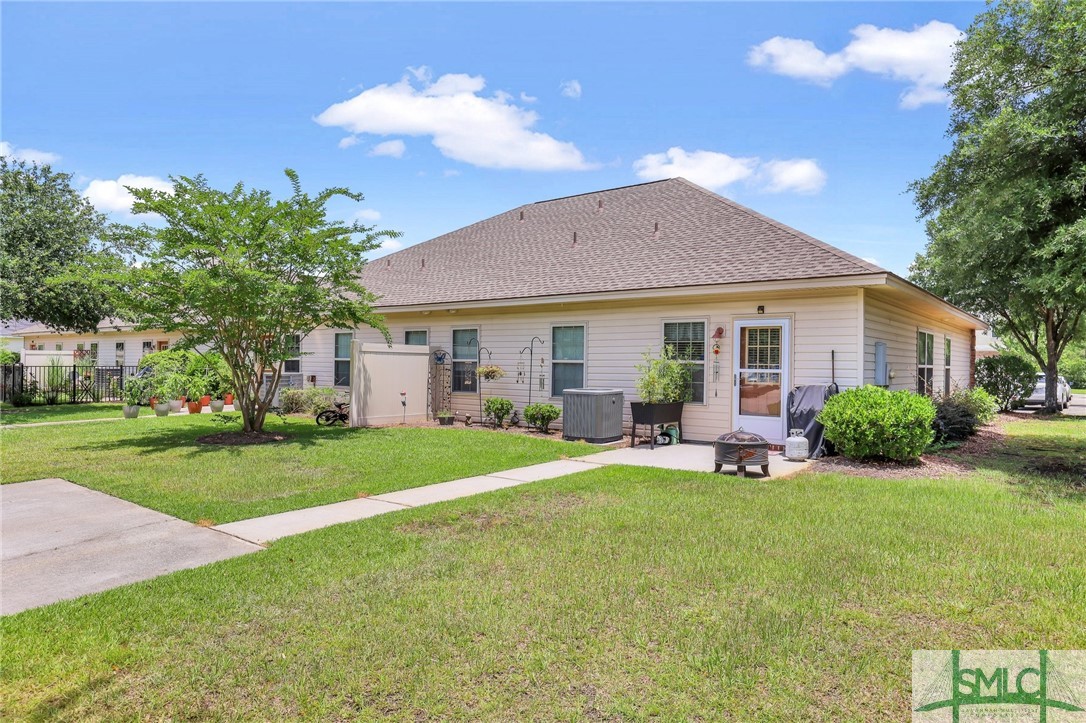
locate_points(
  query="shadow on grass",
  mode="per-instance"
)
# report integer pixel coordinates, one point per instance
(1044, 455)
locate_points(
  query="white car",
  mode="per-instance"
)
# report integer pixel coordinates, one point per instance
(1063, 392)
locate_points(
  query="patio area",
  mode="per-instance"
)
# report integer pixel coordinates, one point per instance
(690, 457)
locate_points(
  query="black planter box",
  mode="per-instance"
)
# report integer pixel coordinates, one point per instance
(653, 415)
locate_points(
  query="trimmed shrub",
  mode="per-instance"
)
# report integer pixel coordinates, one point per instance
(1006, 377)
(873, 423)
(954, 421)
(541, 415)
(310, 400)
(498, 409)
(980, 403)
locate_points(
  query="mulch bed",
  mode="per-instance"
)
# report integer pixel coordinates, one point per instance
(234, 439)
(930, 465)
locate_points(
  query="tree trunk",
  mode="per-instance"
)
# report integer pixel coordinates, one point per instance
(1051, 360)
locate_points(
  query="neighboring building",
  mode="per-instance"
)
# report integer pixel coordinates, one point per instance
(9, 335)
(114, 344)
(603, 277)
(988, 345)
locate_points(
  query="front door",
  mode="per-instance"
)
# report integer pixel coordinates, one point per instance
(761, 377)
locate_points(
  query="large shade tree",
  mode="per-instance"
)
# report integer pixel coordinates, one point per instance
(51, 238)
(1006, 207)
(242, 273)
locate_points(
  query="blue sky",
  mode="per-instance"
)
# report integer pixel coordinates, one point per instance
(816, 114)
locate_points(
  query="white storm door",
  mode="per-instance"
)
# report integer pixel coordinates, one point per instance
(761, 379)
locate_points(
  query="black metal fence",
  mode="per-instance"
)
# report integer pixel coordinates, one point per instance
(62, 384)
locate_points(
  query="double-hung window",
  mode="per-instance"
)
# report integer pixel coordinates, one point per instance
(465, 354)
(94, 350)
(341, 367)
(567, 358)
(687, 340)
(60, 346)
(925, 363)
(148, 347)
(120, 353)
(416, 337)
(946, 365)
(293, 363)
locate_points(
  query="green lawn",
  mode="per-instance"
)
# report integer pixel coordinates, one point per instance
(156, 463)
(64, 412)
(617, 593)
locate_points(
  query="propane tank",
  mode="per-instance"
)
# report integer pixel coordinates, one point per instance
(796, 447)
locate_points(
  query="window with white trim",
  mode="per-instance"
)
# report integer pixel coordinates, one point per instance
(567, 358)
(416, 337)
(341, 367)
(60, 346)
(946, 365)
(148, 347)
(687, 340)
(465, 354)
(925, 363)
(94, 350)
(293, 364)
(120, 353)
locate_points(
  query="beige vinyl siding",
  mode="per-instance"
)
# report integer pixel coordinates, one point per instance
(616, 335)
(888, 321)
(107, 343)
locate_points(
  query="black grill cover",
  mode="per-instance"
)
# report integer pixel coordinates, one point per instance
(804, 404)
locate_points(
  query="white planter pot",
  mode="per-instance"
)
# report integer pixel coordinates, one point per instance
(131, 411)
(175, 405)
(162, 409)
(217, 405)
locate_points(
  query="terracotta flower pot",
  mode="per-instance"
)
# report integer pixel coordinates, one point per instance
(205, 400)
(194, 407)
(228, 398)
(153, 401)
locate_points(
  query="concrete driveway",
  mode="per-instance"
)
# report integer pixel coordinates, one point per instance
(61, 541)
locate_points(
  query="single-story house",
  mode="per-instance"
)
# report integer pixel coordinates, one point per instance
(598, 279)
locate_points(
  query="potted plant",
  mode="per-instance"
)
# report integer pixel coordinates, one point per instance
(171, 387)
(134, 390)
(162, 408)
(664, 385)
(490, 372)
(445, 418)
(195, 390)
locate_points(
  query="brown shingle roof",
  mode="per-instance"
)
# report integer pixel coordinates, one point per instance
(606, 241)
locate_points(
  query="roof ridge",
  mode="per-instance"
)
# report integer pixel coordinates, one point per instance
(601, 190)
(783, 227)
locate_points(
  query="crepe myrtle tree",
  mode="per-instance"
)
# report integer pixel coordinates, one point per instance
(241, 273)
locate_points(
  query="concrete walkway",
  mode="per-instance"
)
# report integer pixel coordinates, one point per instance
(692, 457)
(62, 541)
(266, 529)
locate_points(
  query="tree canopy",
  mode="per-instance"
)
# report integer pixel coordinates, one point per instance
(242, 273)
(51, 240)
(1006, 207)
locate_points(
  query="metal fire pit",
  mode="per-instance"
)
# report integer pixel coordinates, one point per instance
(743, 450)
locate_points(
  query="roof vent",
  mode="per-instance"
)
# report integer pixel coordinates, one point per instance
(424, 263)
(522, 216)
(574, 238)
(599, 208)
(656, 229)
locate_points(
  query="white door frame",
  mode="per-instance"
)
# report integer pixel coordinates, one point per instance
(774, 433)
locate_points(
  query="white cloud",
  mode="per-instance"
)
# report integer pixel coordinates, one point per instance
(111, 196)
(366, 214)
(28, 155)
(391, 245)
(716, 170)
(490, 132)
(801, 175)
(871, 260)
(571, 88)
(525, 98)
(705, 168)
(921, 58)
(450, 172)
(348, 141)
(392, 149)
(423, 74)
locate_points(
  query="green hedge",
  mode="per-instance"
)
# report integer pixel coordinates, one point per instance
(873, 423)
